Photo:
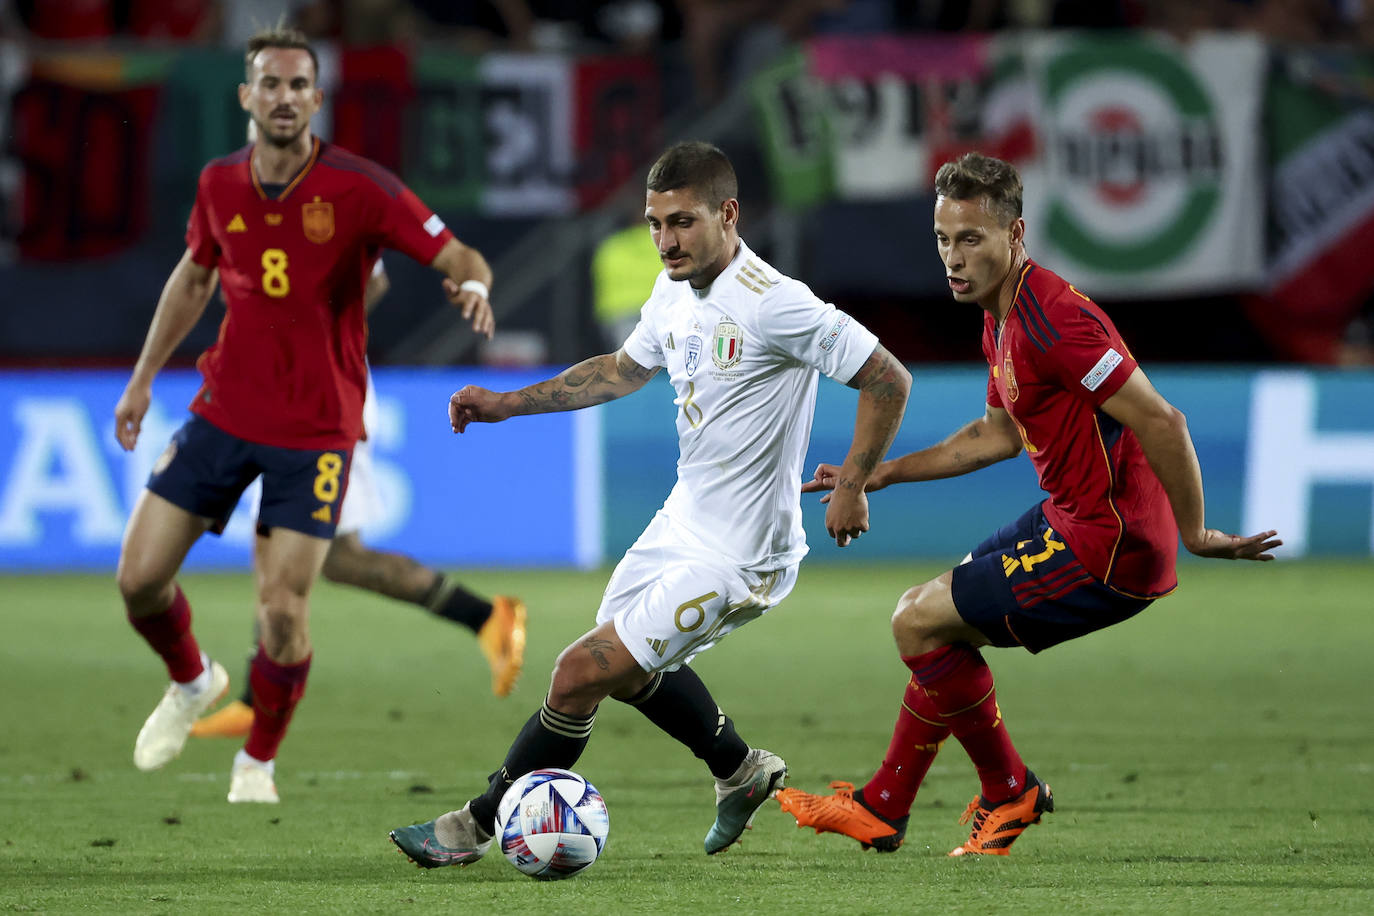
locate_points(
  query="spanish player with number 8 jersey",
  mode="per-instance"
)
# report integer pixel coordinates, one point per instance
(1123, 481)
(292, 225)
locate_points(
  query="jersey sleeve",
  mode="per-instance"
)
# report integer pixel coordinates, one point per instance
(410, 227)
(643, 345)
(200, 240)
(817, 333)
(1089, 359)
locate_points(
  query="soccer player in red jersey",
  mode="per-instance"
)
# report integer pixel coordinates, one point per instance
(1123, 481)
(293, 226)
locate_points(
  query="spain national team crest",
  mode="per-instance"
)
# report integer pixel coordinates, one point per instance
(1009, 378)
(693, 358)
(318, 221)
(727, 345)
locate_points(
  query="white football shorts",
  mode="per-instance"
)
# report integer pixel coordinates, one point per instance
(671, 600)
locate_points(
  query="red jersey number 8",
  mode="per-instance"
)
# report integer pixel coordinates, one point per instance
(274, 279)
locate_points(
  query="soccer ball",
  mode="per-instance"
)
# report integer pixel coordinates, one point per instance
(551, 824)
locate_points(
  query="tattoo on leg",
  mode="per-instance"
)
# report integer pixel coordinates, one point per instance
(598, 648)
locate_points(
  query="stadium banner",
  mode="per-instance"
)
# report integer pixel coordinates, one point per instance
(526, 493)
(1291, 451)
(1150, 176)
(1320, 136)
(96, 137)
(1140, 156)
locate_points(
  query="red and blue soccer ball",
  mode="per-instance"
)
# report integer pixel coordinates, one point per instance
(551, 824)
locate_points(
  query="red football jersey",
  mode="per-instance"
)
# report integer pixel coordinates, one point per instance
(1057, 358)
(289, 366)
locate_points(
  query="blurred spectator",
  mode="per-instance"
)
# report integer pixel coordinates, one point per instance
(195, 21)
(479, 24)
(625, 266)
(372, 22)
(1295, 21)
(68, 20)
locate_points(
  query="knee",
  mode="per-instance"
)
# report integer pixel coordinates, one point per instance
(574, 687)
(913, 622)
(282, 614)
(144, 592)
(340, 560)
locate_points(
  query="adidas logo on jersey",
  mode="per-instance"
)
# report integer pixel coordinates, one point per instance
(659, 646)
(236, 224)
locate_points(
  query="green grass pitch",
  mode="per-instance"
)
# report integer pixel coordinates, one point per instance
(1216, 754)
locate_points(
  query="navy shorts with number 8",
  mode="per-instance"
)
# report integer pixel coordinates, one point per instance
(205, 470)
(1025, 587)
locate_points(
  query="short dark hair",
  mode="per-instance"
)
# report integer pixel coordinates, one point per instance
(974, 175)
(696, 165)
(277, 36)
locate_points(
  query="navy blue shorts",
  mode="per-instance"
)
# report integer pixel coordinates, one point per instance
(1024, 587)
(205, 470)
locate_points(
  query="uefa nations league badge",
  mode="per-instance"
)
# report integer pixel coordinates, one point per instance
(693, 354)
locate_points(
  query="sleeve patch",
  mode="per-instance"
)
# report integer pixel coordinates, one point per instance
(828, 341)
(1098, 374)
(434, 225)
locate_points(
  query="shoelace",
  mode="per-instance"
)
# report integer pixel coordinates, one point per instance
(975, 811)
(843, 789)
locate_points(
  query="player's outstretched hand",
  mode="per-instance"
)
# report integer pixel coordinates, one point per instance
(129, 413)
(827, 474)
(475, 308)
(1222, 546)
(475, 405)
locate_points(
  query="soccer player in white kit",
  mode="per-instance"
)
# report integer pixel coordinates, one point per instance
(743, 345)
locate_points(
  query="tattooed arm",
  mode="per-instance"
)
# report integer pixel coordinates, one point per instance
(592, 381)
(883, 385)
(991, 438)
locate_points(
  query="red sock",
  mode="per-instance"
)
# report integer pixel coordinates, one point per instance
(916, 739)
(959, 684)
(276, 691)
(169, 633)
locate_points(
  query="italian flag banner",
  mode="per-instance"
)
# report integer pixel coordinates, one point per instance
(1320, 135)
(1140, 155)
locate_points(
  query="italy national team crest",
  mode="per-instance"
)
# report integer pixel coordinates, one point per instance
(1009, 378)
(727, 345)
(318, 220)
(693, 358)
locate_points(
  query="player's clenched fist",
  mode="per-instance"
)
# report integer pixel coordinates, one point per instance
(476, 405)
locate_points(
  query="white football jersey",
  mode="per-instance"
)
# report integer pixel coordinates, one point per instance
(743, 357)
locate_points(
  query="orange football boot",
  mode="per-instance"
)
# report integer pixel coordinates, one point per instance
(502, 640)
(996, 827)
(843, 813)
(233, 720)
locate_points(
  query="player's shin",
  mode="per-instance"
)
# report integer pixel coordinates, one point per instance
(169, 634)
(959, 684)
(549, 739)
(277, 689)
(679, 703)
(916, 739)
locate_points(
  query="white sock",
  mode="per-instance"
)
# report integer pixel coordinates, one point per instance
(201, 682)
(244, 757)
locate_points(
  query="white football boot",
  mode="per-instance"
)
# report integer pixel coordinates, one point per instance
(251, 780)
(164, 734)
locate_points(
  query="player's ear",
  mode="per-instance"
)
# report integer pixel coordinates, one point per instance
(729, 212)
(1018, 231)
(319, 98)
(243, 96)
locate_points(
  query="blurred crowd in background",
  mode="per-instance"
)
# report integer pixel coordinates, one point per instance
(710, 33)
(701, 53)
